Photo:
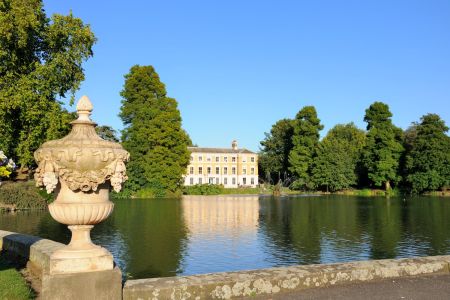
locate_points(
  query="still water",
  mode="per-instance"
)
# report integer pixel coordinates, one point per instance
(167, 237)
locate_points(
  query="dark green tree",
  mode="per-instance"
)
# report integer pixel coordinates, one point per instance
(304, 140)
(107, 133)
(383, 149)
(40, 61)
(274, 155)
(335, 165)
(152, 134)
(428, 156)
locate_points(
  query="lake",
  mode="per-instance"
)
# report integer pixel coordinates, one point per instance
(196, 234)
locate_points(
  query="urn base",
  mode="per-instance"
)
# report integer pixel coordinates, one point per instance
(81, 255)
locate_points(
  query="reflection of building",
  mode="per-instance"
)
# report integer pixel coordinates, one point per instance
(231, 167)
(220, 214)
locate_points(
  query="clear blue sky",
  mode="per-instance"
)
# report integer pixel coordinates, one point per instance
(236, 67)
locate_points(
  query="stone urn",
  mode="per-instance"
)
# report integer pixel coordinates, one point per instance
(81, 168)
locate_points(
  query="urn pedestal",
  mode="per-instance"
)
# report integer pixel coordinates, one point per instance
(81, 168)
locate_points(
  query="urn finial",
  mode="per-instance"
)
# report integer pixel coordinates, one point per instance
(84, 109)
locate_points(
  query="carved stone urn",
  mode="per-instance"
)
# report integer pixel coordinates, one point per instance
(81, 168)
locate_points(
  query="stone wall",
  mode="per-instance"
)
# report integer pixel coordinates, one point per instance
(277, 280)
(228, 285)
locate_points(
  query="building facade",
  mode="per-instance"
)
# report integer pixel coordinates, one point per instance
(231, 167)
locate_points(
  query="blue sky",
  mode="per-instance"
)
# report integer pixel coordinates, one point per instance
(236, 67)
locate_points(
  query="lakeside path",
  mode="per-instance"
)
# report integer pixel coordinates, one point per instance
(427, 287)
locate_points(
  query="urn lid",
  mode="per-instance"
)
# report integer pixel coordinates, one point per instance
(82, 159)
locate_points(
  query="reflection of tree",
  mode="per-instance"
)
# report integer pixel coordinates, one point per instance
(384, 224)
(34, 222)
(429, 224)
(304, 226)
(155, 234)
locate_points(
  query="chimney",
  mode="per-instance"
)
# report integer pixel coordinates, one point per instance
(234, 145)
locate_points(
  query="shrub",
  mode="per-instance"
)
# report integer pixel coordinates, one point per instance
(23, 195)
(203, 189)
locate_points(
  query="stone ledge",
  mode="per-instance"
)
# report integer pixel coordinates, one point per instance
(277, 280)
(35, 249)
(83, 285)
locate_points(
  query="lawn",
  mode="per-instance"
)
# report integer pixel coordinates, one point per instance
(12, 284)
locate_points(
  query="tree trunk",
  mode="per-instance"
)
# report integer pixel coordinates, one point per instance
(387, 185)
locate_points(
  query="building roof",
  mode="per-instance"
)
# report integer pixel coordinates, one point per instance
(219, 150)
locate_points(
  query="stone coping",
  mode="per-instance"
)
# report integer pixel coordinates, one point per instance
(35, 249)
(241, 284)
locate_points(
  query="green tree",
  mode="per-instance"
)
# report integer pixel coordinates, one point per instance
(152, 134)
(274, 156)
(335, 165)
(428, 157)
(383, 149)
(304, 140)
(40, 61)
(107, 133)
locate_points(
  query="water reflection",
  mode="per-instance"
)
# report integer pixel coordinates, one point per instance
(223, 233)
(165, 237)
(155, 236)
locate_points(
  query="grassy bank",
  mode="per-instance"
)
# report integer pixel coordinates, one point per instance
(22, 195)
(212, 189)
(12, 284)
(215, 189)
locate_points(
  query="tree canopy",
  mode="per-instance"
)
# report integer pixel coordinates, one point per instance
(152, 134)
(107, 133)
(335, 165)
(274, 155)
(40, 62)
(304, 140)
(428, 157)
(383, 149)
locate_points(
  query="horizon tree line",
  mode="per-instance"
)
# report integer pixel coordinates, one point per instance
(383, 156)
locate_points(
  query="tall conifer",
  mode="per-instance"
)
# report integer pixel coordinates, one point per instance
(381, 155)
(152, 134)
(304, 140)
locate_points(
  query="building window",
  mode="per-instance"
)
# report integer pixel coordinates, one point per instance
(208, 170)
(191, 170)
(244, 159)
(192, 158)
(252, 181)
(252, 159)
(225, 180)
(217, 158)
(252, 170)
(191, 180)
(217, 180)
(200, 170)
(225, 159)
(244, 181)
(199, 180)
(217, 170)
(233, 170)
(233, 159)
(200, 158)
(211, 180)
(244, 171)
(225, 170)
(208, 158)
(233, 180)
